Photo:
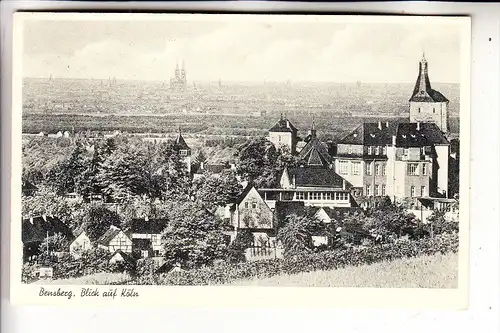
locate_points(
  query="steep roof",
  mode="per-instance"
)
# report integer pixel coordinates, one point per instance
(150, 226)
(419, 135)
(126, 257)
(109, 235)
(283, 125)
(35, 230)
(315, 177)
(245, 192)
(423, 91)
(180, 143)
(315, 153)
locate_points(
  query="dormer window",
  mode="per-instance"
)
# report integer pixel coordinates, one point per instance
(184, 152)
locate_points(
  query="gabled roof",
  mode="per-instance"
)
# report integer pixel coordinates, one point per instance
(419, 135)
(304, 177)
(423, 91)
(315, 153)
(245, 192)
(283, 125)
(35, 230)
(126, 257)
(109, 235)
(150, 226)
(28, 186)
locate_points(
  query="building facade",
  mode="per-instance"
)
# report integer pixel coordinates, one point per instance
(284, 134)
(395, 159)
(427, 104)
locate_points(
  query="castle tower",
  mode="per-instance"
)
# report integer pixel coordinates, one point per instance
(284, 134)
(183, 149)
(426, 104)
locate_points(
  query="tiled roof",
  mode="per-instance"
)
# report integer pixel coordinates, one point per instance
(315, 177)
(371, 134)
(407, 134)
(151, 226)
(35, 230)
(126, 257)
(245, 192)
(108, 236)
(315, 153)
(419, 135)
(283, 125)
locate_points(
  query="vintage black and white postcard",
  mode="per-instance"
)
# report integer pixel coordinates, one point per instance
(194, 159)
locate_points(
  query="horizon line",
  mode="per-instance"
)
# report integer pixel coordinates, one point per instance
(264, 81)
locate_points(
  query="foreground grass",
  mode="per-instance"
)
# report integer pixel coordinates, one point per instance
(436, 271)
(98, 278)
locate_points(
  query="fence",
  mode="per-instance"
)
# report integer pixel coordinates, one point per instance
(263, 252)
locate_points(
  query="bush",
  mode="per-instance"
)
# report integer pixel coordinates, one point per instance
(339, 258)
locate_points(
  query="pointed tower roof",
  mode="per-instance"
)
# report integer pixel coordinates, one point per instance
(180, 143)
(423, 91)
(315, 153)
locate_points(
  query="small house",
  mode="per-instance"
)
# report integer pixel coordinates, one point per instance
(146, 236)
(35, 230)
(80, 244)
(115, 239)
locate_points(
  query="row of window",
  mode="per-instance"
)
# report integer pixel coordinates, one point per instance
(322, 196)
(253, 204)
(420, 110)
(414, 169)
(372, 150)
(379, 190)
(380, 169)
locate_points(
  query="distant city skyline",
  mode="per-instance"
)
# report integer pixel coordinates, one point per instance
(241, 51)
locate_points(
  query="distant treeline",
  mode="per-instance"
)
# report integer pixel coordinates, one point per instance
(334, 127)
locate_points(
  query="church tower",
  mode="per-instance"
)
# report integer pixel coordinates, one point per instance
(426, 104)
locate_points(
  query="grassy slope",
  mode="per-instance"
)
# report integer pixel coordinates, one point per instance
(437, 271)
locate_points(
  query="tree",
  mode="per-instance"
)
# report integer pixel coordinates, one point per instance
(438, 224)
(392, 220)
(193, 237)
(258, 162)
(46, 202)
(67, 176)
(296, 233)
(215, 191)
(97, 220)
(236, 250)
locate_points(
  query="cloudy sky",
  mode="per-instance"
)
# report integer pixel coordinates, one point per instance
(235, 50)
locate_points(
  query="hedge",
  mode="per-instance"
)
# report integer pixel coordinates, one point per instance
(350, 256)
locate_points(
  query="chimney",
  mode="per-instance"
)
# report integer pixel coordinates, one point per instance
(418, 125)
(387, 124)
(31, 219)
(146, 218)
(393, 140)
(293, 181)
(343, 184)
(202, 165)
(380, 125)
(44, 217)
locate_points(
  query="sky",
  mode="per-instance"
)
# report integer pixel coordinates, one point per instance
(233, 50)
